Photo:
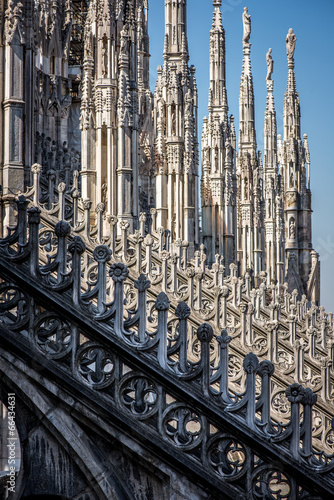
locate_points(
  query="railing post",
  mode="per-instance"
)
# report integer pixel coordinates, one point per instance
(76, 248)
(167, 239)
(183, 312)
(326, 388)
(102, 255)
(243, 322)
(153, 212)
(292, 320)
(62, 230)
(190, 272)
(162, 306)
(249, 332)
(124, 226)
(308, 401)
(202, 258)
(99, 211)
(251, 365)
(51, 186)
(217, 294)
(22, 205)
(148, 242)
(173, 263)
(142, 284)
(36, 170)
(299, 355)
(75, 196)
(138, 240)
(87, 205)
(185, 245)
(164, 256)
(118, 272)
(225, 293)
(61, 200)
(199, 277)
(142, 220)
(295, 394)
(224, 340)
(34, 219)
(178, 249)
(234, 284)
(161, 232)
(273, 341)
(266, 370)
(247, 284)
(112, 221)
(205, 335)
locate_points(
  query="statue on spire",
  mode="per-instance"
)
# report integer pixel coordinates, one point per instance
(246, 19)
(290, 44)
(270, 65)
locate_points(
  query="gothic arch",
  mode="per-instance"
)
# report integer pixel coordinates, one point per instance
(50, 443)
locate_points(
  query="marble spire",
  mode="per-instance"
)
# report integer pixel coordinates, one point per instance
(250, 201)
(175, 28)
(176, 144)
(273, 210)
(301, 260)
(218, 153)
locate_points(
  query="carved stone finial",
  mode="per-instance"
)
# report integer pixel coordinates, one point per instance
(142, 283)
(77, 245)
(309, 397)
(295, 393)
(266, 368)
(61, 187)
(205, 332)
(102, 253)
(224, 339)
(87, 204)
(36, 168)
(162, 303)
(62, 228)
(182, 311)
(148, 240)
(100, 208)
(251, 363)
(118, 272)
(34, 215)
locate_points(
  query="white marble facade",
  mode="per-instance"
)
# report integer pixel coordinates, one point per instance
(75, 95)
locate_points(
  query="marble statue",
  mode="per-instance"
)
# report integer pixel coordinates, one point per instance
(290, 44)
(246, 18)
(270, 65)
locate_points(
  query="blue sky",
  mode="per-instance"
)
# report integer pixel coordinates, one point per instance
(312, 22)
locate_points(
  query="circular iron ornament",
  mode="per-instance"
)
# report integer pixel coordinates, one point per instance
(95, 365)
(14, 307)
(139, 395)
(271, 484)
(280, 403)
(182, 426)
(227, 457)
(52, 336)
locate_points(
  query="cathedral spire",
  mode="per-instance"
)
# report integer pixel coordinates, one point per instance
(247, 137)
(291, 113)
(218, 96)
(301, 261)
(273, 217)
(176, 146)
(175, 27)
(218, 180)
(270, 125)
